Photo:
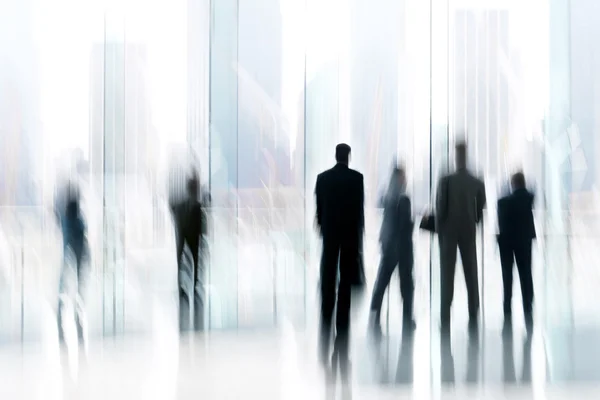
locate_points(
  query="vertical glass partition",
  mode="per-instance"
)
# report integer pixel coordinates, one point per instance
(321, 120)
(224, 150)
(439, 131)
(113, 160)
(560, 140)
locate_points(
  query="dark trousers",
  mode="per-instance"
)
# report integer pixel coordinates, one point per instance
(193, 244)
(345, 254)
(521, 253)
(395, 256)
(466, 243)
(76, 249)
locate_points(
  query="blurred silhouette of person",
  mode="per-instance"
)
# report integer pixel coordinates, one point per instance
(396, 242)
(516, 234)
(190, 222)
(339, 196)
(460, 200)
(75, 247)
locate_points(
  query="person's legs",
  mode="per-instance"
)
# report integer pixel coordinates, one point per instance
(81, 283)
(198, 292)
(468, 254)
(507, 262)
(407, 286)
(447, 269)
(328, 282)
(184, 303)
(523, 259)
(61, 292)
(389, 260)
(348, 263)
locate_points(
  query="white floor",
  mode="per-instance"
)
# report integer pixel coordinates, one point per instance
(244, 365)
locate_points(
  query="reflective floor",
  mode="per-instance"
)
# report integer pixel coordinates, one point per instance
(281, 363)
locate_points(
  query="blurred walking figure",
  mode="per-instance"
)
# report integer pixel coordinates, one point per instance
(340, 218)
(515, 237)
(75, 250)
(460, 200)
(396, 251)
(190, 222)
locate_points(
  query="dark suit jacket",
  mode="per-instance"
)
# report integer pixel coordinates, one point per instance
(460, 200)
(340, 204)
(340, 214)
(515, 217)
(190, 223)
(397, 225)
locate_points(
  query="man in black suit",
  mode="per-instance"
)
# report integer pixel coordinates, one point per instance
(340, 218)
(190, 228)
(516, 234)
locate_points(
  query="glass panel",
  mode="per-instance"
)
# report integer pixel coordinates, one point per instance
(558, 137)
(322, 119)
(223, 270)
(113, 170)
(270, 75)
(439, 131)
(156, 126)
(585, 145)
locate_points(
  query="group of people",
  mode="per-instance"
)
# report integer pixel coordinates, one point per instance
(458, 210)
(459, 204)
(190, 221)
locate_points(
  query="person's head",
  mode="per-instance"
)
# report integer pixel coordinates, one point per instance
(461, 155)
(397, 183)
(399, 174)
(517, 181)
(72, 208)
(342, 153)
(193, 185)
(72, 191)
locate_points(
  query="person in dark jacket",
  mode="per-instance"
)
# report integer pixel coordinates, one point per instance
(516, 234)
(339, 195)
(190, 223)
(75, 247)
(460, 201)
(396, 250)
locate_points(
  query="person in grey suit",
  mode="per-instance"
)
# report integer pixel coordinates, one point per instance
(396, 242)
(460, 200)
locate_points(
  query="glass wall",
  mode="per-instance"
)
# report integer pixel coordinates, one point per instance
(256, 94)
(584, 147)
